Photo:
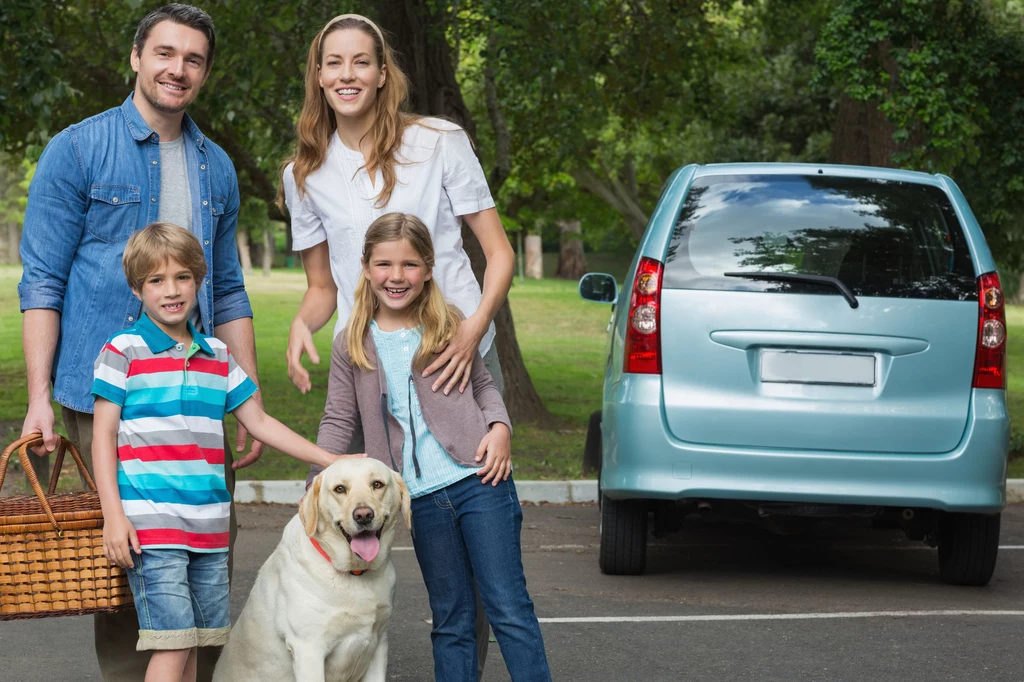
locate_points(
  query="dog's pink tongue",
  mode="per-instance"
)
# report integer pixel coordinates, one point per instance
(365, 545)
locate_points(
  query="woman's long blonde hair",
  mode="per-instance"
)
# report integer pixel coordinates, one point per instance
(317, 121)
(439, 320)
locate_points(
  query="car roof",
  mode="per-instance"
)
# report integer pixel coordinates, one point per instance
(817, 169)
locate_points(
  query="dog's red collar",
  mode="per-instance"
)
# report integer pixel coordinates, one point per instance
(317, 547)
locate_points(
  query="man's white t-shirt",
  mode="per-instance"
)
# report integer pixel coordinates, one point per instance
(439, 179)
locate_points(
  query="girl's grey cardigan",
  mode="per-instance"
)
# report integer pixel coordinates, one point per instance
(458, 421)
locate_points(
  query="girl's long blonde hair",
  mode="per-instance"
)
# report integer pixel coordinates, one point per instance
(439, 320)
(317, 121)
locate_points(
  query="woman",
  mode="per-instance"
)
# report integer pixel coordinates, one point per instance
(359, 156)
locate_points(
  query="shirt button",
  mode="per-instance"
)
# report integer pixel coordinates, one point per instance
(207, 242)
(403, 335)
(114, 200)
(153, 199)
(131, 319)
(178, 346)
(154, 163)
(203, 167)
(204, 203)
(406, 349)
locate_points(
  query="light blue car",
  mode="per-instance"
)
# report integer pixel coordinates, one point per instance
(796, 343)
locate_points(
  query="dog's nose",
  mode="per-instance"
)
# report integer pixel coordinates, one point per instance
(362, 515)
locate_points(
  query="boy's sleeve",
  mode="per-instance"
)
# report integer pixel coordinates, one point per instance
(240, 386)
(110, 374)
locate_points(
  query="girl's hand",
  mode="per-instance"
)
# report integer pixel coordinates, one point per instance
(497, 448)
(119, 539)
(300, 340)
(457, 357)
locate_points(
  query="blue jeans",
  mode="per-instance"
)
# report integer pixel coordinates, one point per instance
(181, 598)
(469, 530)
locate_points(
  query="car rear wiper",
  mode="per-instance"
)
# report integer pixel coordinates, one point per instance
(821, 280)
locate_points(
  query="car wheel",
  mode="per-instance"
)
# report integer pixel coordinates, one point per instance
(623, 537)
(592, 447)
(968, 545)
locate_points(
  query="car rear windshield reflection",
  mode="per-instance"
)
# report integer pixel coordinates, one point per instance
(880, 238)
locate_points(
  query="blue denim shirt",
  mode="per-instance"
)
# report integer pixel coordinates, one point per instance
(97, 182)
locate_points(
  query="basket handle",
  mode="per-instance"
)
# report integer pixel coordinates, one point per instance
(22, 445)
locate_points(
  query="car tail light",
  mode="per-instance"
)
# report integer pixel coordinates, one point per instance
(990, 361)
(643, 332)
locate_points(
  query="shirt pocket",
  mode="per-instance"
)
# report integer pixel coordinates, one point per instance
(113, 212)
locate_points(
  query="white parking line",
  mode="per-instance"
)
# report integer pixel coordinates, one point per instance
(559, 548)
(779, 616)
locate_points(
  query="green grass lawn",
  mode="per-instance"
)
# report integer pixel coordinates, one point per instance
(562, 339)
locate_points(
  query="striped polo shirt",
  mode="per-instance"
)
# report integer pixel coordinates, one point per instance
(170, 439)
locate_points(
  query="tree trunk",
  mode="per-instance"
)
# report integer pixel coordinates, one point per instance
(572, 264)
(268, 251)
(420, 37)
(616, 194)
(13, 243)
(862, 135)
(534, 257)
(242, 240)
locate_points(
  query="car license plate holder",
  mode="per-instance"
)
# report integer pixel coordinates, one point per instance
(817, 367)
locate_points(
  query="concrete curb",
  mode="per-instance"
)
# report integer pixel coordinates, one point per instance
(1014, 490)
(555, 492)
(289, 492)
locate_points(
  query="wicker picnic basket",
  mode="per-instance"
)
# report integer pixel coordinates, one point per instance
(51, 547)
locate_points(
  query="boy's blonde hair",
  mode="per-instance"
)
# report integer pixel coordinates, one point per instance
(439, 320)
(153, 245)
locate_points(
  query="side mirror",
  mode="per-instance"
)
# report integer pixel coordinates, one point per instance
(598, 287)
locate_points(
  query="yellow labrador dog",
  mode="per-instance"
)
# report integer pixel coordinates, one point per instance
(320, 606)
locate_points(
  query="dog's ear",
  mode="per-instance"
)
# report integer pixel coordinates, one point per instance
(309, 507)
(406, 503)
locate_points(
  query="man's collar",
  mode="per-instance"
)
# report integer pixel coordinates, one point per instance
(141, 131)
(159, 342)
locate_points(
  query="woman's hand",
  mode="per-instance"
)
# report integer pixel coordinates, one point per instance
(496, 447)
(458, 356)
(119, 539)
(300, 341)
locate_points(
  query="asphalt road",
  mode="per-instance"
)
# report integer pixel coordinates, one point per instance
(719, 602)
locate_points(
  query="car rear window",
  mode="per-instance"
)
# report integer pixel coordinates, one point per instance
(880, 238)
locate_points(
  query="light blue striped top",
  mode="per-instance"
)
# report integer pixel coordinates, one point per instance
(395, 351)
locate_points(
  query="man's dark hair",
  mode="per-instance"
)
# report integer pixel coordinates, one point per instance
(186, 15)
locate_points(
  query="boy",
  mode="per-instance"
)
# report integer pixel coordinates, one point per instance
(162, 390)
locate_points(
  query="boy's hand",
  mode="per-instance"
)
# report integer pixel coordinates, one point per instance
(496, 446)
(330, 459)
(119, 539)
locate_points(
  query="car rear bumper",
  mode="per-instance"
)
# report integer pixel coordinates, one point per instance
(642, 460)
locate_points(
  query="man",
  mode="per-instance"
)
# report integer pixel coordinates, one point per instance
(97, 182)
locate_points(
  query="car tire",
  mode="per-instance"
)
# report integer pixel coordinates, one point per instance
(592, 446)
(968, 545)
(623, 537)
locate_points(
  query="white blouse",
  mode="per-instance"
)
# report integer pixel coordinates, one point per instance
(438, 179)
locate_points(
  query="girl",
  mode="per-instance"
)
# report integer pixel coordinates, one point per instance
(461, 529)
(359, 156)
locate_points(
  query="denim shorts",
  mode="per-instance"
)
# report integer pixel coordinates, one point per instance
(181, 597)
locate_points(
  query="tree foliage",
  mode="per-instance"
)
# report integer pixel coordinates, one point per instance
(947, 76)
